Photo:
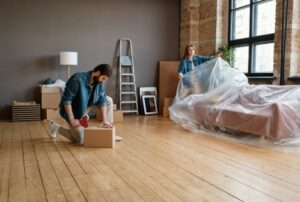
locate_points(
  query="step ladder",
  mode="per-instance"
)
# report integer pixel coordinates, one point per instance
(127, 86)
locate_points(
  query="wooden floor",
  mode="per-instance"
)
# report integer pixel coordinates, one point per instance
(157, 161)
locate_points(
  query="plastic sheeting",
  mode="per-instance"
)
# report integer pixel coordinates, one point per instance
(218, 99)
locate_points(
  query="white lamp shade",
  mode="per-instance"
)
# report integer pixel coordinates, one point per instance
(68, 58)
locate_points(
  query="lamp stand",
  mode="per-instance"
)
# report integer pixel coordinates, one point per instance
(69, 72)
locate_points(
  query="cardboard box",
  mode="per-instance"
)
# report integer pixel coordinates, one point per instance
(50, 97)
(26, 113)
(45, 89)
(168, 102)
(166, 113)
(50, 100)
(51, 114)
(99, 137)
(98, 114)
(117, 116)
(168, 81)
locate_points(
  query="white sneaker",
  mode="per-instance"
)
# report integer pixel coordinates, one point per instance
(53, 129)
(118, 138)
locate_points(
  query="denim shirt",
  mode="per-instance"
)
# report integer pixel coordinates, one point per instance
(186, 65)
(77, 93)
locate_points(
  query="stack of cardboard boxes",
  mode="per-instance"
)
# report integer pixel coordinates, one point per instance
(50, 97)
(167, 103)
(30, 112)
(117, 115)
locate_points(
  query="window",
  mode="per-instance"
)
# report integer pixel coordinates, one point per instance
(252, 27)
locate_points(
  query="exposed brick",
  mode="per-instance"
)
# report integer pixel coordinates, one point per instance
(293, 38)
(207, 30)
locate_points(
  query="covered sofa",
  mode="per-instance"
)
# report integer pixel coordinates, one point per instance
(218, 98)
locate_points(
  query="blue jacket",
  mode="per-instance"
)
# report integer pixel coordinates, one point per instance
(186, 65)
(77, 93)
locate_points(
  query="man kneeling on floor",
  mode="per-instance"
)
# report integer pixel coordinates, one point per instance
(83, 91)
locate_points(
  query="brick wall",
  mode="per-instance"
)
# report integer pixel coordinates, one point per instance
(292, 59)
(203, 24)
(295, 39)
(207, 26)
(189, 25)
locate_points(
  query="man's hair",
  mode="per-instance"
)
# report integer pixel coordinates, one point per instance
(104, 69)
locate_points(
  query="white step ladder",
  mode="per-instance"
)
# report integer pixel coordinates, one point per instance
(127, 87)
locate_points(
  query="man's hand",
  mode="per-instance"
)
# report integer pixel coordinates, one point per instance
(106, 124)
(74, 123)
(87, 117)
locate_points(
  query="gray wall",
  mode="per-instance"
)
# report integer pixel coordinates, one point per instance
(33, 32)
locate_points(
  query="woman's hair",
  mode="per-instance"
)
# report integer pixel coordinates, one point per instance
(105, 69)
(186, 53)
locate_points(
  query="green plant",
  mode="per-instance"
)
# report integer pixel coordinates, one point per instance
(227, 54)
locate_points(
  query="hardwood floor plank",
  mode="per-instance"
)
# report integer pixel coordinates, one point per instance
(210, 176)
(239, 175)
(110, 185)
(125, 173)
(34, 186)
(5, 155)
(67, 182)
(51, 184)
(254, 165)
(227, 146)
(156, 181)
(187, 181)
(82, 178)
(17, 185)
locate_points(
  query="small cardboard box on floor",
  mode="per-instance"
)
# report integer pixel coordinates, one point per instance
(51, 114)
(99, 137)
(50, 97)
(117, 116)
(167, 103)
(166, 113)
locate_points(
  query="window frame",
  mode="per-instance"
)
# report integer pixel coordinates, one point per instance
(252, 40)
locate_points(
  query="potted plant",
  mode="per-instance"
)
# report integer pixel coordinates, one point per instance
(227, 54)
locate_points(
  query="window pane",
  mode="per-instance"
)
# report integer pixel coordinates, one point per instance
(241, 21)
(264, 55)
(241, 55)
(265, 18)
(240, 3)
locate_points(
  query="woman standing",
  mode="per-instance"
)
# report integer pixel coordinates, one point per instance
(190, 61)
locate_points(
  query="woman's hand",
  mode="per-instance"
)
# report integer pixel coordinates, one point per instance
(74, 123)
(180, 76)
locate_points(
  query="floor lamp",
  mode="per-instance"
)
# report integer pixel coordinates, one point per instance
(68, 59)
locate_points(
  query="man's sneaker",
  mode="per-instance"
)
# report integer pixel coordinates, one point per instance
(53, 129)
(118, 138)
